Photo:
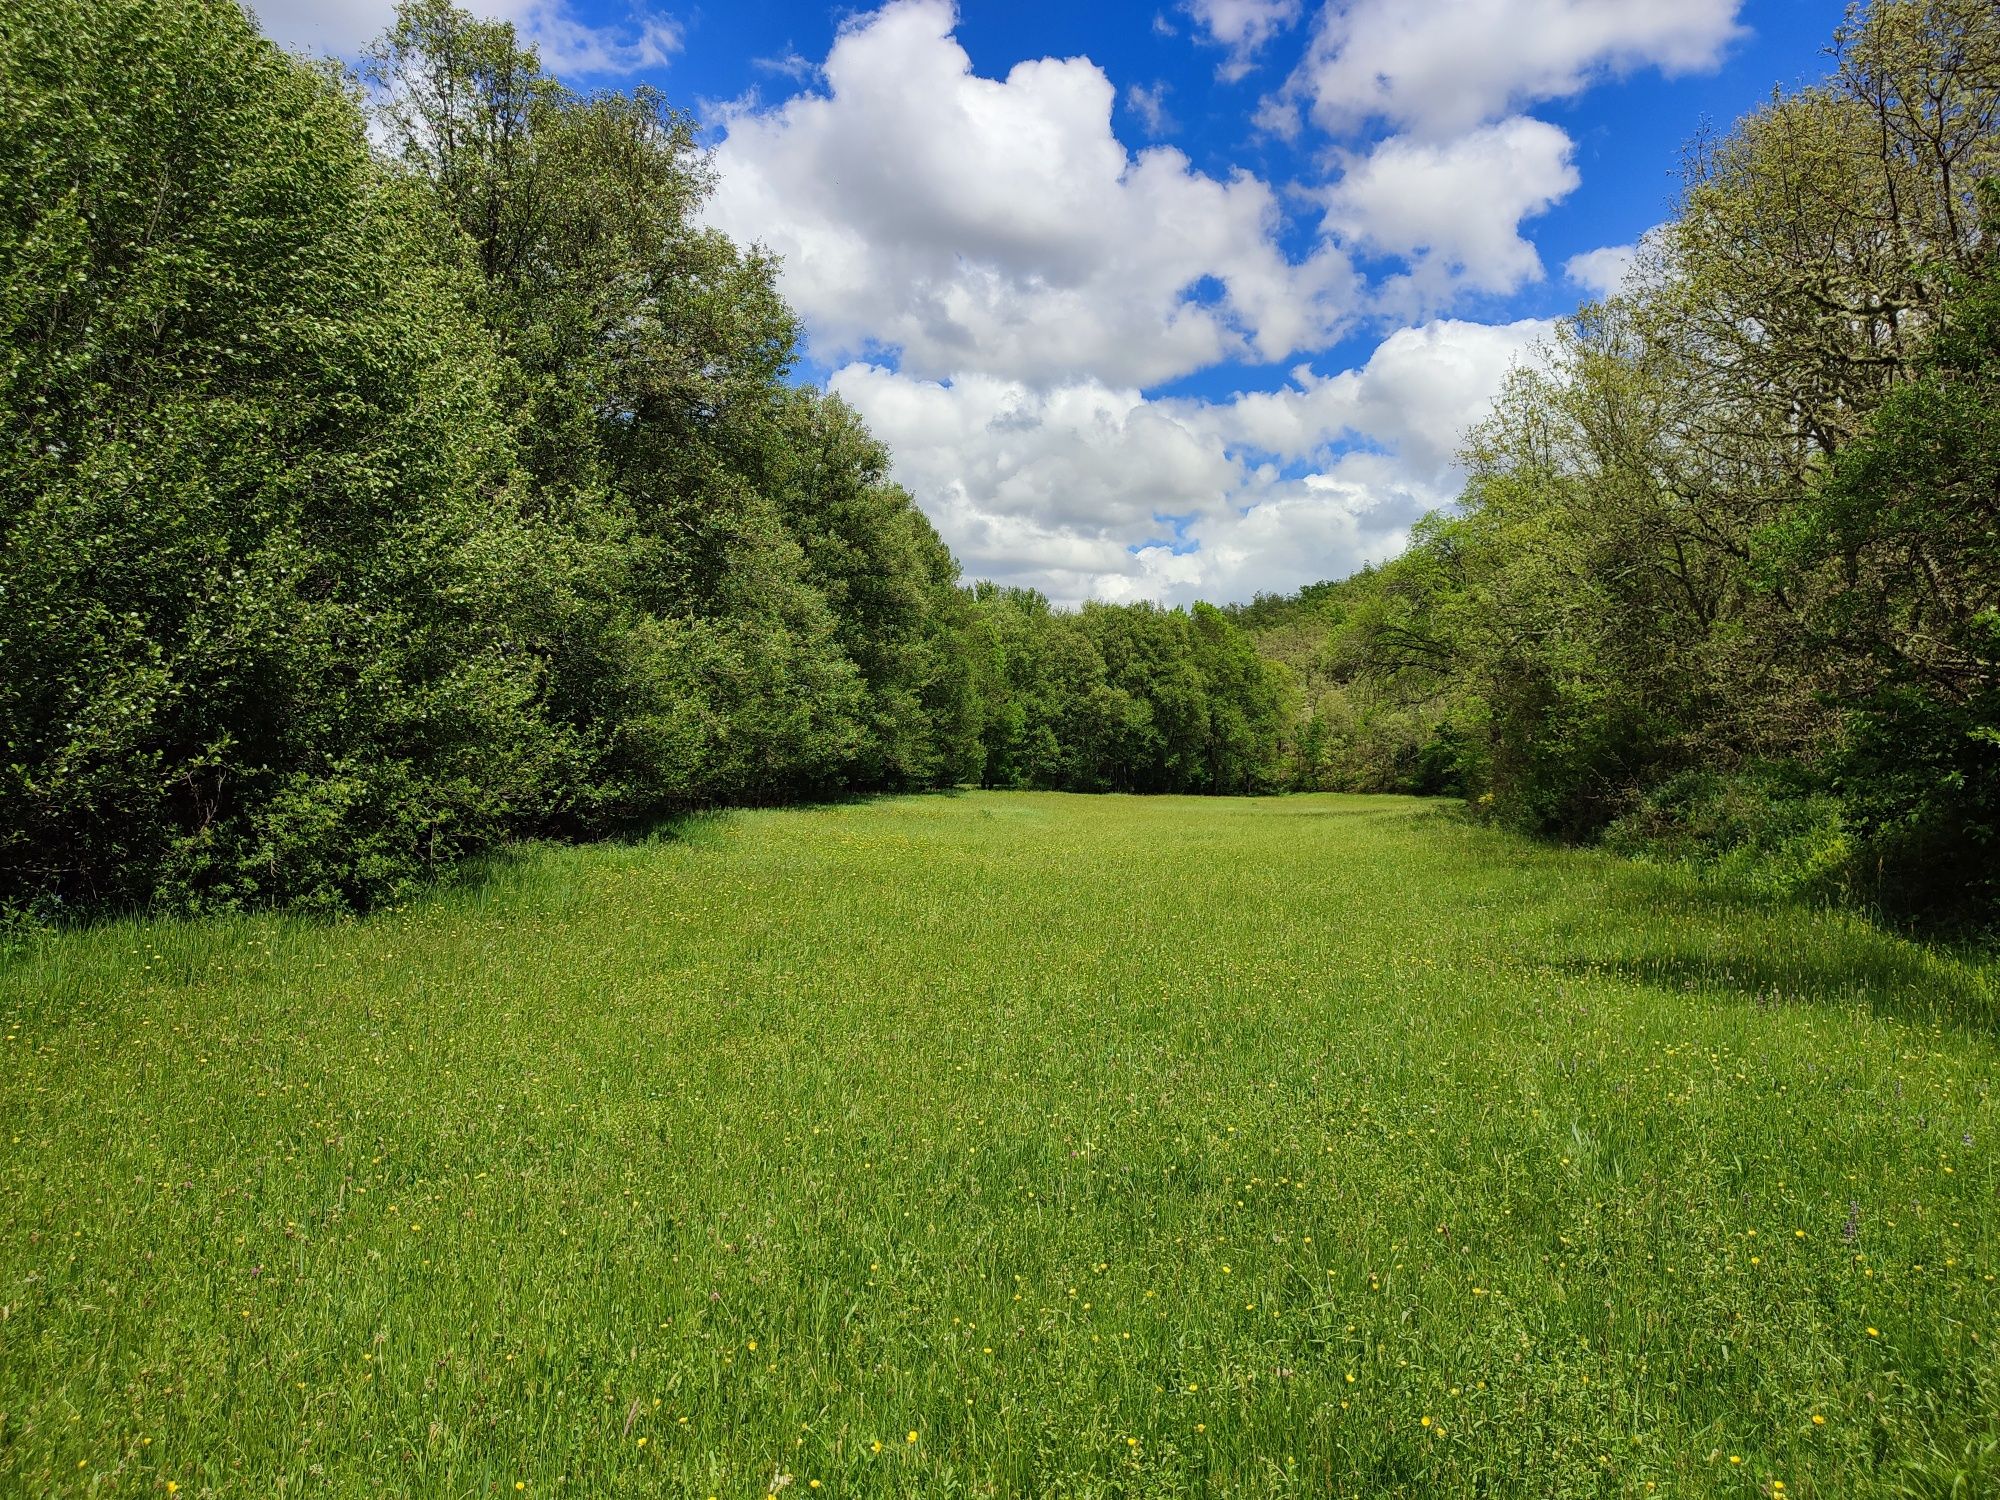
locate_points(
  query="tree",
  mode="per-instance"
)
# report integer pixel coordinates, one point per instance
(1900, 549)
(264, 561)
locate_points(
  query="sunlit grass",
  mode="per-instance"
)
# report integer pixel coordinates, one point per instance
(1004, 1144)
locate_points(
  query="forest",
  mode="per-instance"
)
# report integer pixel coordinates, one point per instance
(395, 467)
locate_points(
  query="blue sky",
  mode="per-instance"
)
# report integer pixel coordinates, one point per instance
(1183, 300)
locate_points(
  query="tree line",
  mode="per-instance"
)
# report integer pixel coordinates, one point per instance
(1725, 579)
(392, 465)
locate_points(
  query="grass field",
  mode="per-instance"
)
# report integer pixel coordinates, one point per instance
(1006, 1144)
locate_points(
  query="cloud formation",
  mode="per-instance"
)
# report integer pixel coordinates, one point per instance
(1241, 27)
(1441, 67)
(1000, 225)
(1002, 285)
(1149, 103)
(1452, 210)
(1604, 270)
(1019, 301)
(1085, 489)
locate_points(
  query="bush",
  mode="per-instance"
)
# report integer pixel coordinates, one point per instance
(1759, 831)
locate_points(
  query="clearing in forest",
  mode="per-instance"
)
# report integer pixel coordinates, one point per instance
(1004, 1144)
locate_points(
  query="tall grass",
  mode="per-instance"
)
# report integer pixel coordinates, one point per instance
(1005, 1144)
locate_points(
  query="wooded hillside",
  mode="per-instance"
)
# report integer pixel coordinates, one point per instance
(1725, 582)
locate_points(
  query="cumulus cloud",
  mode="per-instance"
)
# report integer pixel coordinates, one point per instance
(1453, 209)
(1048, 480)
(567, 44)
(1288, 533)
(1418, 393)
(1443, 66)
(1000, 281)
(1000, 225)
(1090, 490)
(1605, 270)
(1242, 27)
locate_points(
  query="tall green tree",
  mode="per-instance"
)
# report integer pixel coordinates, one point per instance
(262, 554)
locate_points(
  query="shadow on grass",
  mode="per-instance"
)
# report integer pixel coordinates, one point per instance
(1684, 932)
(478, 876)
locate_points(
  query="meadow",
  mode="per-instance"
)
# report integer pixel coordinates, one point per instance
(1002, 1145)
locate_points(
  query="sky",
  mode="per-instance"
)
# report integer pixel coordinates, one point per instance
(1175, 301)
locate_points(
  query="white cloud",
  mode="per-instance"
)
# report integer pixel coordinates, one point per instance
(1150, 105)
(1050, 480)
(1419, 392)
(1453, 209)
(788, 64)
(999, 224)
(1605, 270)
(1290, 533)
(339, 27)
(1439, 67)
(1067, 489)
(1241, 26)
(568, 46)
(999, 281)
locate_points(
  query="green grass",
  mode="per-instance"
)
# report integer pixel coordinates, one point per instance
(1061, 1146)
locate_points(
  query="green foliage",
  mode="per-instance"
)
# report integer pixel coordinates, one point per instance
(1736, 522)
(1900, 549)
(1289, 1122)
(358, 514)
(1372, 702)
(771, 616)
(1130, 698)
(261, 547)
(360, 509)
(1759, 831)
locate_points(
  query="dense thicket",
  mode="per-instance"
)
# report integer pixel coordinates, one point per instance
(1726, 577)
(363, 505)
